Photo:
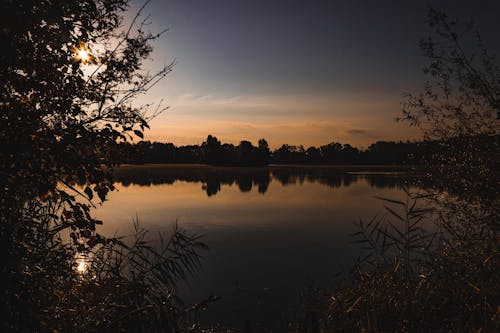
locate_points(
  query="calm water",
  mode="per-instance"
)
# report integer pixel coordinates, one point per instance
(271, 231)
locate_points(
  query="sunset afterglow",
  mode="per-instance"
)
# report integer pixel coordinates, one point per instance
(291, 72)
(284, 166)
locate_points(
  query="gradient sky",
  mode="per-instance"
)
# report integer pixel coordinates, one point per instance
(297, 72)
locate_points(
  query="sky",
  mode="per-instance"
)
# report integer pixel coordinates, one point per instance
(295, 72)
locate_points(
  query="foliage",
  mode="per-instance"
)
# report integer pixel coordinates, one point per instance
(460, 107)
(417, 279)
(61, 114)
(433, 264)
(125, 284)
(130, 285)
(70, 71)
(461, 97)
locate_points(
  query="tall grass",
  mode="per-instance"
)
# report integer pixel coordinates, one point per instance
(418, 279)
(122, 285)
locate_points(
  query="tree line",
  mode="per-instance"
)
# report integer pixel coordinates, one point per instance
(213, 152)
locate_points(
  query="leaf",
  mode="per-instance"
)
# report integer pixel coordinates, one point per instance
(139, 134)
(397, 231)
(102, 194)
(88, 191)
(393, 213)
(391, 200)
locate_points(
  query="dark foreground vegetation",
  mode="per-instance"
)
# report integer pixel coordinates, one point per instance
(69, 71)
(61, 127)
(413, 280)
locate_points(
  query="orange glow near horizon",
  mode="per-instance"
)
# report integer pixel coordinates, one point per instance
(306, 133)
(305, 119)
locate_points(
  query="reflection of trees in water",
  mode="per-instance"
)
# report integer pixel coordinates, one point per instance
(384, 181)
(342, 177)
(212, 178)
(299, 176)
(212, 186)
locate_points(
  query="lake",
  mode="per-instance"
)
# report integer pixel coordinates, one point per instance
(272, 231)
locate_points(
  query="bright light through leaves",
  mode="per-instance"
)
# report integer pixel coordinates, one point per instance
(82, 265)
(84, 55)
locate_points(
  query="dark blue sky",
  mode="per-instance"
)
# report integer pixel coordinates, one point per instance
(300, 72)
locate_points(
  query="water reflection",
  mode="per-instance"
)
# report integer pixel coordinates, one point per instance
(271, 231)
(245, 179)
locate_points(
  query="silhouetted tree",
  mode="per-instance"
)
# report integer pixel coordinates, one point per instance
(330, 152)
(313, 155)
(68, 76)
(284, 154)
(212, 150)
(246, 154)
(459, 107)
(69, 72)
(437, 279)
(264, 153)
